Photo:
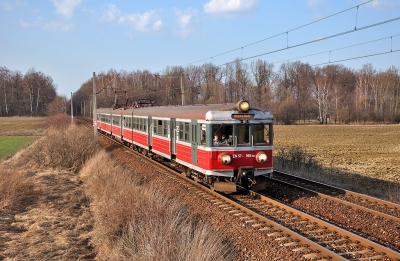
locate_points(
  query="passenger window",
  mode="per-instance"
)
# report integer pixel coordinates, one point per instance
(203, 134)
(187, 132)
(155, 127)
(181, 130)
(165, 128)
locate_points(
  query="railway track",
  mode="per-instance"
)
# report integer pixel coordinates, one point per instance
(344, 243)
(309, 237)
(362, 202)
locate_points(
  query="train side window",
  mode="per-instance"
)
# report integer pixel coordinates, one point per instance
(155, 126)
(116, 120)
(181, 130)
(203, 134)
(160, 127)
(165, 128)
(187, 132)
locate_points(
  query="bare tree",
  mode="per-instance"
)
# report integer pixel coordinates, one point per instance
(263, 75)
(5, 77)
(321, 92)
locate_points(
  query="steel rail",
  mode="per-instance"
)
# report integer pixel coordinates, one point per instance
(344, 192)
(325, 225)
(340, 201)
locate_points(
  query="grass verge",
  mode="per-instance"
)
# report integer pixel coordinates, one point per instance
(137, 222)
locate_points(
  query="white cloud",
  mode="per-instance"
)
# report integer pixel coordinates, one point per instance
(145, 22)
(384, 3)
(227, 7)
(54, 26)
(24, 24)
(185, 21)
(314, 3)
(112, 13)
(66, 7)
(11, 6)
(6, 6)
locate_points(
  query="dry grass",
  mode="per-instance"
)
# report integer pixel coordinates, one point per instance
(44, 213)
(59, 121)
(15, 186)
(361, 158)
(136, 222)
(22, 126)
(67, 148)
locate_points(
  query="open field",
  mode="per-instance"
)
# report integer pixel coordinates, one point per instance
(11, 144)
(22, 126)
(368, 150)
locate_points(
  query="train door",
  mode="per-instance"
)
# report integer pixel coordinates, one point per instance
(193, 136)
(172, 131)
(149, 130)
(122, 122)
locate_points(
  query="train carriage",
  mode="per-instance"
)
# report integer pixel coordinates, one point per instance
(221, 145)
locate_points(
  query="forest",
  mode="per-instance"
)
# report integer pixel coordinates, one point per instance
(295, 92)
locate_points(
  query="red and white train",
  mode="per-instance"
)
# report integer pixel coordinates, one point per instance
(220, 145)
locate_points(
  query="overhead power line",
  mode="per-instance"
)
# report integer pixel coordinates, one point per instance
(317, 40)
(283, 33)
(341, 48)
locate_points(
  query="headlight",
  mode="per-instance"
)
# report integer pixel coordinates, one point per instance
(243, 106)
(261, 157)
(225, 159)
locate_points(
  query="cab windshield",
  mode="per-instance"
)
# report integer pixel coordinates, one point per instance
(222, 135)
(261, 134)
(247, 135)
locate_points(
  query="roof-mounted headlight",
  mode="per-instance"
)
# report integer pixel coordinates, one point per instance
(261, 157)
(243, 106)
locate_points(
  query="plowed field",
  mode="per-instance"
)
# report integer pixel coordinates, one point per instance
(368, 150)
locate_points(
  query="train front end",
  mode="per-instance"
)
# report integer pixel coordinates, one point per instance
(242, 147)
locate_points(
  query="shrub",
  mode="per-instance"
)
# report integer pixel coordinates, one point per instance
(66, 148)
(59, 121)
(295, 158)
(135, 222)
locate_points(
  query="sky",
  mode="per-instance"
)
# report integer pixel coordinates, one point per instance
(68, 40)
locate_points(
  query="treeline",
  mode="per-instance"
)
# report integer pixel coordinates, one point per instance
(29, 94)
(294, 92)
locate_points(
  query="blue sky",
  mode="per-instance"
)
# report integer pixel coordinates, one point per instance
(70, 39)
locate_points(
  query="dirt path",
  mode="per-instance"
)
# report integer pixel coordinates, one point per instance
(54, 222)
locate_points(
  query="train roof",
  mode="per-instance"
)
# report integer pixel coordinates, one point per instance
(199, 112)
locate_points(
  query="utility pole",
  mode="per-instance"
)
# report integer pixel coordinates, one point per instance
(94, 108)
(72, 111)
(182, 92)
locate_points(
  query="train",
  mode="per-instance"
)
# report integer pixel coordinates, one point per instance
(221, 145)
